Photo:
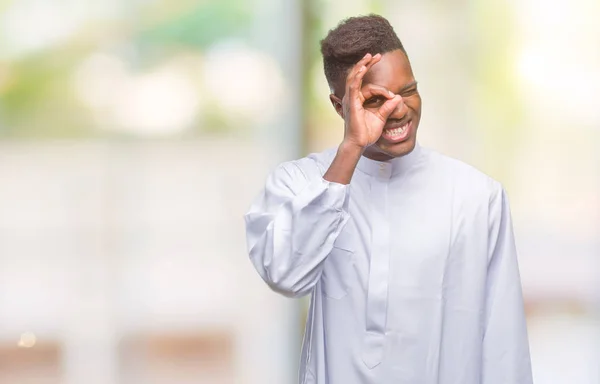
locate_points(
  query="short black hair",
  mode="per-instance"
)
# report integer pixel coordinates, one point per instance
(352, 39)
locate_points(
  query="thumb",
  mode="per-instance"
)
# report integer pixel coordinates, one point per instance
(389, 106)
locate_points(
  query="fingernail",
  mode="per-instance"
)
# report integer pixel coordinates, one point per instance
(391, 94)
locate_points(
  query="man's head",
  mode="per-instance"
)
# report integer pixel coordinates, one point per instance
(349, 42)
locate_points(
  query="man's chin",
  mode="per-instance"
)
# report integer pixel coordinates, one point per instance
(392, 150)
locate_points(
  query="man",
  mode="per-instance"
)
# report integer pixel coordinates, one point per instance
(408, 255)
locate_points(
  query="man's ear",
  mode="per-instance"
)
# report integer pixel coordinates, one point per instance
(337, 104)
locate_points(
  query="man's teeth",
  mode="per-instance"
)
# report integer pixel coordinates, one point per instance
(396, 131)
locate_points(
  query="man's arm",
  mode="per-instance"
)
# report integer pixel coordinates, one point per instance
(292, 225)
(506, 356)
(343, 165)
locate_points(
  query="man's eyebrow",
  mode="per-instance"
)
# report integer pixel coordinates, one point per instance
(407, 86)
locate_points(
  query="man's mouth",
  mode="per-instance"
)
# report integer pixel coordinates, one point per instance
(397, 132)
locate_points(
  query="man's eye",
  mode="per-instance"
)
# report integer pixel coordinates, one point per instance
(374, 100)
(409, 92)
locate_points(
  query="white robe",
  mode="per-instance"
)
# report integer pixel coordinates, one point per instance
(412, 270)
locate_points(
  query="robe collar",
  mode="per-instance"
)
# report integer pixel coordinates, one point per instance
(391, 167)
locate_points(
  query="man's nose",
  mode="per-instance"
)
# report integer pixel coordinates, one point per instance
(400, 111)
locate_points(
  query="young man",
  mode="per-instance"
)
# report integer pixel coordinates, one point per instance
(408, 255)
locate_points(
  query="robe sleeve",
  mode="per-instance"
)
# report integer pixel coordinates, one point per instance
(506, 358)
(292, 225)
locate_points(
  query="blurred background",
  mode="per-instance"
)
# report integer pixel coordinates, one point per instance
(135, 133)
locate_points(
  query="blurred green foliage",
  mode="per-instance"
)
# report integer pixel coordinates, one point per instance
(200, 26)
(37, 99)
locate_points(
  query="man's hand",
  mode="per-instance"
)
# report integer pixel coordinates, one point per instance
(364, 127)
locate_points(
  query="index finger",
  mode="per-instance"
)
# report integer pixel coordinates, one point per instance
(362, 62)
(355, 77)
(370, 90)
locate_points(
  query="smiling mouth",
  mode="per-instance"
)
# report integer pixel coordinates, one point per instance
(397, 134)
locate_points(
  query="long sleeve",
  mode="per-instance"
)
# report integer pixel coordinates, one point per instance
(506, 358)
(292, 225)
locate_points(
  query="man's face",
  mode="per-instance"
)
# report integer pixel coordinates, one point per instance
(393, 72)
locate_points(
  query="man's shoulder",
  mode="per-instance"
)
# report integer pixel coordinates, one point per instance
(312, 165)
(323, 158)
(463, 175)
(315, 161)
